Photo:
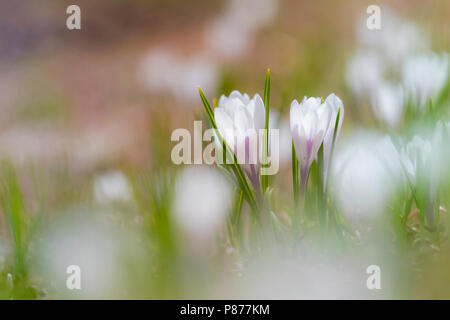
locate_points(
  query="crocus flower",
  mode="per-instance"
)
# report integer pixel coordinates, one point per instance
(310, 121)
(239, 120)
(425, 76)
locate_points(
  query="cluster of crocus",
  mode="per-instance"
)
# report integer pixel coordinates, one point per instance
(314, 126)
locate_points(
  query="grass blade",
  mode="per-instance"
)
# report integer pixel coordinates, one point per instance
(295, 176)
(265, 178)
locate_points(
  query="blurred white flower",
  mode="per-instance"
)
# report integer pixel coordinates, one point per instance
(81, 242)
(396, 39)
(364, 73)
(309, 122)
(111, 186)
(365, 174)
(387, 102)
(310, 277)
(231, 34)
(441, 148)
(239, 120)
(424, 77)
(164, 71)
(227, 39)
(202, 201)
(423, 164)
(416, 157)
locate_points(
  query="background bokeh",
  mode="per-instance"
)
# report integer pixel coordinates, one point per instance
(85, 123)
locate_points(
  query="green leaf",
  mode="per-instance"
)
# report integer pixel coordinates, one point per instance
(239, 173)
(295, 176)
(13, 206)
(265, 178)
(336, 125)
(320, 187)
(237, 207)
(208, 108)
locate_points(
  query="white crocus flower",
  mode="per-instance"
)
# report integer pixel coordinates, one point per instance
(239, 120)
(310, 120)
(387, 104)
(425, 76)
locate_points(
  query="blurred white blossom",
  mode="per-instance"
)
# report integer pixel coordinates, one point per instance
(111, 186)
(201, 202)
(416, 156)
(79, 241)
(396, 39)
(424, 76)
(365, 174)
(364, 73)
(387, 102)
(232, 32)
(308, 277)
(423, 160)
(164, 71)
(424, 166)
